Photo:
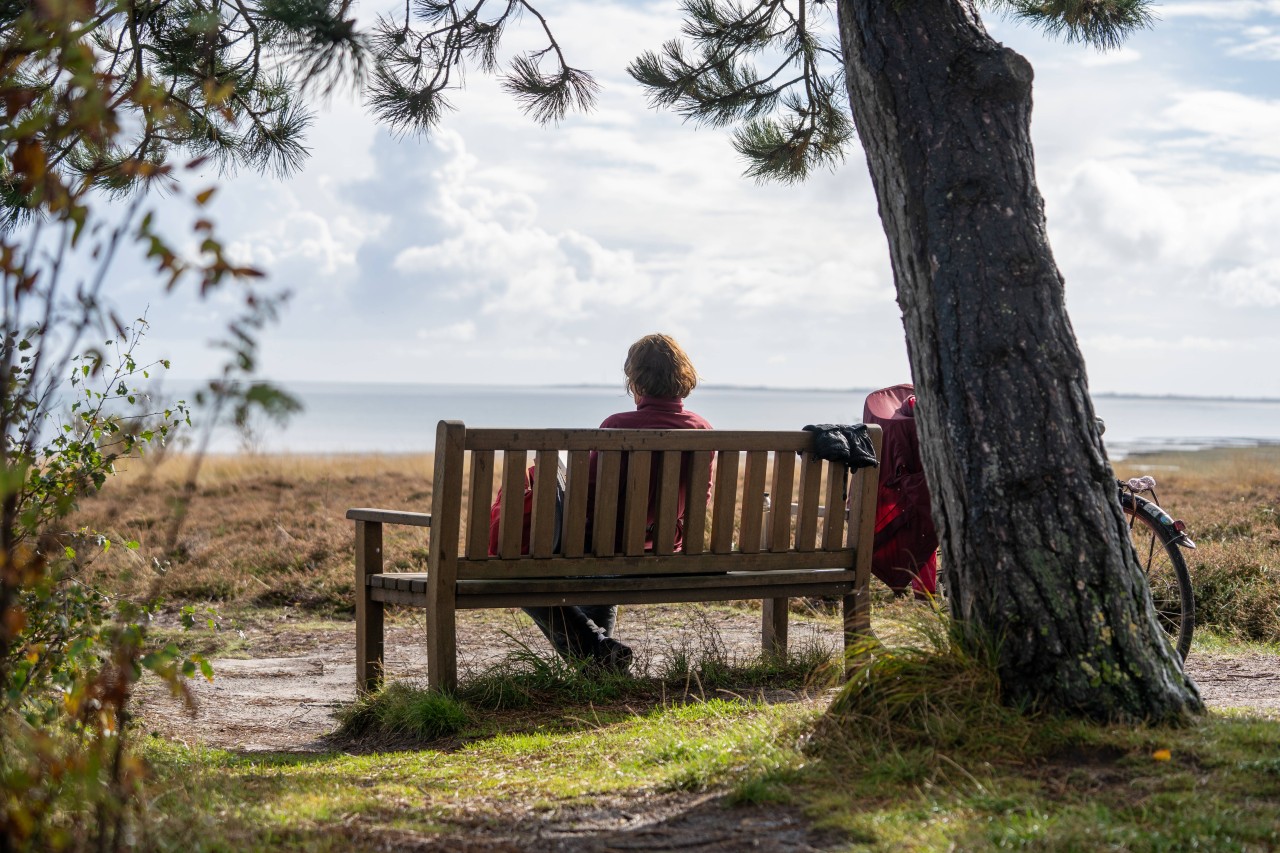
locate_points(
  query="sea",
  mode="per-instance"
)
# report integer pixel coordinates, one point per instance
(401, 418)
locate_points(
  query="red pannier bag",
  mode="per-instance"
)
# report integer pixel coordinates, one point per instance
(905, 554)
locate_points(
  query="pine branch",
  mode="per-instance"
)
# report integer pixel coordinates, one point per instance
(1104, 24)
(405, 108)
(417, 69)
(793, 118)
(810, 134)
(320, 39)
(549, 97)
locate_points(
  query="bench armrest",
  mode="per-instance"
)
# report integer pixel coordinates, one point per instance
(390, 516)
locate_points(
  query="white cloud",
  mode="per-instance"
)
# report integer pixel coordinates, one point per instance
(1142, 343)
(494, 246)
(1218, 9)
(463, 332)
(1252, 286)
(1100, 59)
(1258, 43)
(1227, 121)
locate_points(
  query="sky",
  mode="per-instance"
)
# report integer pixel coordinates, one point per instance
(499, 251)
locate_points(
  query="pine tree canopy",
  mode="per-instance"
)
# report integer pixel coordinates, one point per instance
(203, 77)
(225, 81)
(771, 69)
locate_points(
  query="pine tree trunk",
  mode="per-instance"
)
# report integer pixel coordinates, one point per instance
(1032, 536)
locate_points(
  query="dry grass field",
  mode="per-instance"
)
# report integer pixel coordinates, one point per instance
(583, 765)
(270, 530)
(1230, 500)
(257, 531)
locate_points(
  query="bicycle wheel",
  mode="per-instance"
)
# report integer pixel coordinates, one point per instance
(1167, 575)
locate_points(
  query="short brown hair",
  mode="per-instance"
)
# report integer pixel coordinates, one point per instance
(656, 366)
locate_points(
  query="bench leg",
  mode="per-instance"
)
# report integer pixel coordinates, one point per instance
(773, 628)
(369, 626)
(442, 649)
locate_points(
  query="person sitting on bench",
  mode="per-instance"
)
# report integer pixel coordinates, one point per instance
(659, 377)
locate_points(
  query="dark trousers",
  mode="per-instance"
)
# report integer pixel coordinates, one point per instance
(575, 630)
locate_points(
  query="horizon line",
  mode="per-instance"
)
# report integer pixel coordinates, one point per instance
(713, 386)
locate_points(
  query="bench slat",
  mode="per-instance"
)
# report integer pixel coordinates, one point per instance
(784, 470)
(646, 564)
(543, 521)
(575, 504)
(390, 516)
(636, 509)
(664, 532)
(655, 596)
(752, 502)
(695, 510)
(807, 513)
(481, 497)
(637, 439)
(395, 596)
(511, 518)
(619, 595)
(757, 580)
(604, 521)
(725, 501)
(833, 523)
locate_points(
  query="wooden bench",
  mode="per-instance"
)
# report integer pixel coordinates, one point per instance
(734, 548)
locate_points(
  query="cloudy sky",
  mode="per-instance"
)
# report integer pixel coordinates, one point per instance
(502, 252)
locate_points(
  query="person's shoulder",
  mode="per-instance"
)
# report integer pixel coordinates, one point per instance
(618, 420)
(697, 421)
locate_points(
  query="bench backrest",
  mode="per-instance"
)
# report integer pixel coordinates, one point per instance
(727, 530)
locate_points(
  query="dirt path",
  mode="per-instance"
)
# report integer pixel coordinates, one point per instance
(282, 694)
(281, 690)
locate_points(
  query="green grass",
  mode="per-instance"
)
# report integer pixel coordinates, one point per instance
(917, 753)
(1211, 642)
(399, 710)
(1073, 787)
(531, 686)
(1064, 786)
(216, 800)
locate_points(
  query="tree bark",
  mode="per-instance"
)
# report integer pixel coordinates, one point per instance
(1032, 537)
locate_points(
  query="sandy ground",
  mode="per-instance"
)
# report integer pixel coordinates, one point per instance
(282, 694)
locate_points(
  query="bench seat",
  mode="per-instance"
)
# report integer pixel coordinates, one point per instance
(411, 588)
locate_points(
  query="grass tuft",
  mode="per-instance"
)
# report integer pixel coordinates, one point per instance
(399, 710)
(700, 659)
(525, 678)
(925, 695)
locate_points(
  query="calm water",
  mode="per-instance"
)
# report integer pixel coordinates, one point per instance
(365, 418)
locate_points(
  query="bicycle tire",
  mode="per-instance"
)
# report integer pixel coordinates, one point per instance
(1166, 570)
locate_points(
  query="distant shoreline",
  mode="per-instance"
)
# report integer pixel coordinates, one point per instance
(708, 386)
(1123, 451)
